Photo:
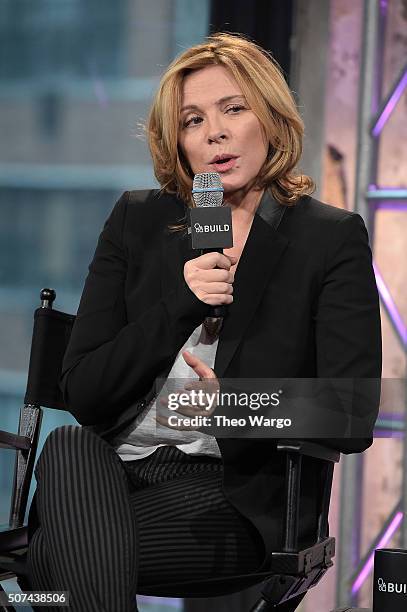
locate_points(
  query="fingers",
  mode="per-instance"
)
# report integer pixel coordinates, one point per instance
(203, 398)
(203, 405)
(211, 260)
(216, 299)
(215, 275)
(190, 409)
(214, 287)
(209, 277)
(207, 388)
(199, 366)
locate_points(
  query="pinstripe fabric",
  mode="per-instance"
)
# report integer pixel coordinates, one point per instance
(163, 518)
(167, 463)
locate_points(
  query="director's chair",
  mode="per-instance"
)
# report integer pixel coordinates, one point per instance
(292, 571)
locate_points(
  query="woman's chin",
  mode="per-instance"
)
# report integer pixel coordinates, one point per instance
(230, 188)
(230, 184)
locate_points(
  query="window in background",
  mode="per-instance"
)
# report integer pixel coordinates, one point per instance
(76, 80)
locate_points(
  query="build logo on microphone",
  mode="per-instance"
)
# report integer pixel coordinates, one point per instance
(392, 587)
(211, 227)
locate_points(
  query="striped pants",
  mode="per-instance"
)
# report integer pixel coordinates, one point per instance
(102, 528)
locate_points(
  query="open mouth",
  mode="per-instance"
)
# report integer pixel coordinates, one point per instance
(223, 165)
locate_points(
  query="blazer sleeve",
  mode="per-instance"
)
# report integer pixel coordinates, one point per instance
(110, 363)
(348, 328)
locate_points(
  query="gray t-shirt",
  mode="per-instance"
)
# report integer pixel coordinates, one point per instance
(145, 434)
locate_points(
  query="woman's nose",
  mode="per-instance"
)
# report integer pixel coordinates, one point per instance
(216, 136)
(216, 131)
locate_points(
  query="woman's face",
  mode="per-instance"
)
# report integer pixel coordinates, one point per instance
(216, 120)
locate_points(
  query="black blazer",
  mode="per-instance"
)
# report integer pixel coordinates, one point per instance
(305, 305)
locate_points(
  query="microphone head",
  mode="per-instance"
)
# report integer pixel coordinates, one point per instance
(207, 189)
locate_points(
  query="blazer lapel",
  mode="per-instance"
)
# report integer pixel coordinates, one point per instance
(261, 254)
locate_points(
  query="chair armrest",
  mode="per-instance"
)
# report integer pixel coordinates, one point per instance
(14, 441)
(311, 449)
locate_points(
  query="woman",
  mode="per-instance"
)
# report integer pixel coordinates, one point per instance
(128, 501)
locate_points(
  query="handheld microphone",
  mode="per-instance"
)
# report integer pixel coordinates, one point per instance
(210, 223)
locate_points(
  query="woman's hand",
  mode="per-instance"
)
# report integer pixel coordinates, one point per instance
(210, 279)
(207, 387)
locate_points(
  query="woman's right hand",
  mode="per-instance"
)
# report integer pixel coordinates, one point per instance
(210, 279)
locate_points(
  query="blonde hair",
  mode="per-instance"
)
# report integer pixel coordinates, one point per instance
(269, 97)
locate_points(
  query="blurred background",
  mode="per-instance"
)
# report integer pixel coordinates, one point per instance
(76, 81)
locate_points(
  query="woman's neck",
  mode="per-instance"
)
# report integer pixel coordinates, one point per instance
(246, 204)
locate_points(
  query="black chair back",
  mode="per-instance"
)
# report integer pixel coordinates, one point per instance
(51, 333)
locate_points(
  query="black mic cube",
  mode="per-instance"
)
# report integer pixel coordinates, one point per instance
(390, 580)
(211, 227)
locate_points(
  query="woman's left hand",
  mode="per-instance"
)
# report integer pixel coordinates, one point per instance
(205, 390)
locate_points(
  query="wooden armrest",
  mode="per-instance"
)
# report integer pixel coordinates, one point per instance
(14, 441)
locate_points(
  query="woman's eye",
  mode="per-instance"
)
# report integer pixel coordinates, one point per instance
(237, 107)
(193, 119)
(196, 120)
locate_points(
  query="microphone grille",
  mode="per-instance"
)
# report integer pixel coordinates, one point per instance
(207, 189)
